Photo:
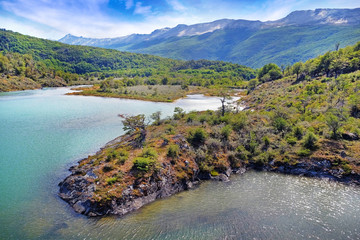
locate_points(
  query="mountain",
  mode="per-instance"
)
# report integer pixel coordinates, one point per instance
(297, 37)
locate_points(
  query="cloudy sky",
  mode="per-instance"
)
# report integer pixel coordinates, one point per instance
(52, 19)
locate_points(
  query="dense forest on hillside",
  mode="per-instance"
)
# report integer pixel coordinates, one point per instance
(25, 59)
(302, 120)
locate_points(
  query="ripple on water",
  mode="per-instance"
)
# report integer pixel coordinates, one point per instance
(252, 206)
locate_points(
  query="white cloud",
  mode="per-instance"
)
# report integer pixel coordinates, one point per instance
(88, 18)
(176, 5)
(129, 4)
(143, 10)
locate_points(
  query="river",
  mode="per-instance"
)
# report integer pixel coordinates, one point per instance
(44, 132)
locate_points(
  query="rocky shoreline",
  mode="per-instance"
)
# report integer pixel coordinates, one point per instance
(77, 190)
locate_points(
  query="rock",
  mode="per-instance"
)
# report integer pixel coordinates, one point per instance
(78, 207)
(91, 174)
(350, 136)
(298, 171)
(239, 171)
(221, 177)
(228, 172)
(343, 154)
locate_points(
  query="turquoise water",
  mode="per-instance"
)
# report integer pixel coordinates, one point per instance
(44, 132)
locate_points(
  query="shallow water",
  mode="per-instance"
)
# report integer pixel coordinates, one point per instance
(44, 132)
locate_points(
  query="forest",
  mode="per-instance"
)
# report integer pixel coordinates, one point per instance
(25, 60)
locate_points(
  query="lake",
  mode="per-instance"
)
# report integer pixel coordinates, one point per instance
(44, 132)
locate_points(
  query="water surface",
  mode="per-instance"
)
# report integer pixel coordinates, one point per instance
(44, 132)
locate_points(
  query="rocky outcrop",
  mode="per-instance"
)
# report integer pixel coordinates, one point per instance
(316, 168)
(77, 190)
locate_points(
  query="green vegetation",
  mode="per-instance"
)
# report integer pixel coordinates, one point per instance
(306, 118)
(35, 62)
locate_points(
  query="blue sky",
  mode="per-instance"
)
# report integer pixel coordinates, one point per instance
(52, 19)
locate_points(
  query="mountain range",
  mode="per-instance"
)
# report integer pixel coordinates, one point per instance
(299, 36)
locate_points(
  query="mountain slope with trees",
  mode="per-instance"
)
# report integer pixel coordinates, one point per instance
(298, 37)
(28, 62)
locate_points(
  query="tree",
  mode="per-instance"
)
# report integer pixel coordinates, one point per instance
(224, 96)
(252, 84)
(269, 72)
(156, 117)
(296, 69)
(135, 124)
(325, 62)
(334, 124)
(178, 113)
(337, 45)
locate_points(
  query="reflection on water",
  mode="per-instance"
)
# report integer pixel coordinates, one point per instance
(44, 132)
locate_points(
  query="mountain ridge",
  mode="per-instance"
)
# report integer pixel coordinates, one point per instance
(224, 39)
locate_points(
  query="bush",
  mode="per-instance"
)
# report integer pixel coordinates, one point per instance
(213, 144)
(173, 151)
(108, 168)
(310, 141)
(111, 181)
(298, 132)
(304, 152)
(149, 153)
(266, 141)
(122, 156)
(233, 160)
(214, 173)
(225, 132)
(291, 140)
(190, 118)
(242, 153)
(239, 122)
(197, 137)
(143, 164)
(280, 124)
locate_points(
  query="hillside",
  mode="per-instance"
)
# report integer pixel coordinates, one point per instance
(28, 62)
(306, 123)
(298, 37)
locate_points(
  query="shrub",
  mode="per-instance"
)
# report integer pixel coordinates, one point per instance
(197, 137)
(266, 141)
(143, 164)
(178, 113)
(310, 141)
(149, 153)
(122, 157)
(111, 155)
(214, 173)
(291, 140)
(225, 132)
(108, 168)
(190, 118)
(304, 152)
(111, 181)
(213, 144)
(239, 122)
(242, 153)
(298, 132)
(233, 160)
(280, 124)
(203, 119)
(170, 130)
(173, 151)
